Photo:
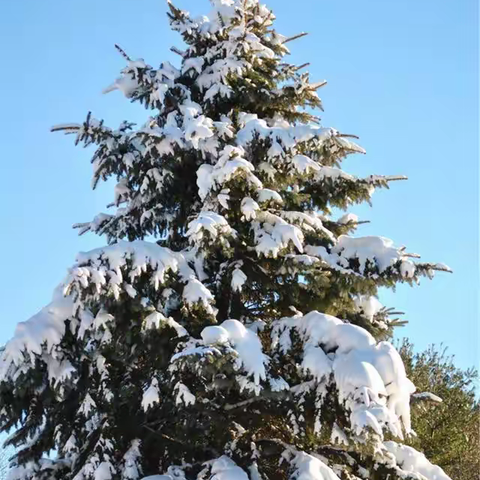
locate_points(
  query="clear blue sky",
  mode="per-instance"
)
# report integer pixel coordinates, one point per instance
(403, 75)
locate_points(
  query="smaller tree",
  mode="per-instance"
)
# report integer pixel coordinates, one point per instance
(448, 431)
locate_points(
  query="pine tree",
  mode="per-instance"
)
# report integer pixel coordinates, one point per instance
(245, 341)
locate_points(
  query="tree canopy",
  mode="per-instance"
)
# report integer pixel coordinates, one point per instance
(447, 432)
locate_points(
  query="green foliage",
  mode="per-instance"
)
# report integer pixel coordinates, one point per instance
(448, 432)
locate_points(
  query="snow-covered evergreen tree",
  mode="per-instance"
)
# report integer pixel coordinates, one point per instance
(247, 341)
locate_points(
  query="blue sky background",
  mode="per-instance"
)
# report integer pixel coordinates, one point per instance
(403, 75)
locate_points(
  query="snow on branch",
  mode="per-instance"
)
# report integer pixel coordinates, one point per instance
(372, 256)
(410, 462)
(107, 268)
(426, 397)
(370, 378)
(38, 337)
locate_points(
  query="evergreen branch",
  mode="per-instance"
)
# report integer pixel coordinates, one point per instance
(122, 53)
(233, 406)
(277, 441)
(282, 395)
(295, 37)
(439, 267)
(177, 51)
(67, 128)
(295, 451)
(230, 406)
(316, 86)
(422, 397)
(348, 135)
(175, 12)
(83, 227)
(395, 178)
(220, 19)
(303, 65)
(179, 442)
(163, 435)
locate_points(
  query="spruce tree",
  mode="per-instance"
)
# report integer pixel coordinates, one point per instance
(245, 341)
